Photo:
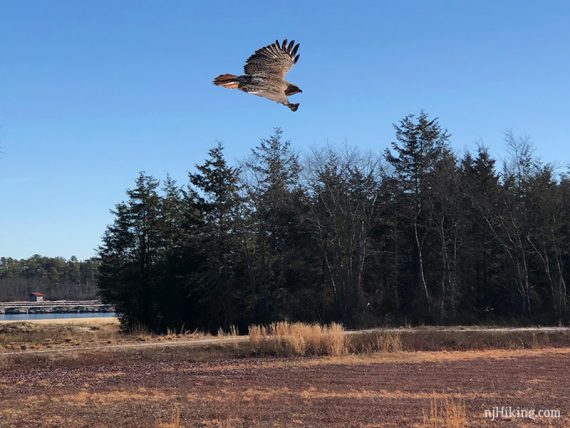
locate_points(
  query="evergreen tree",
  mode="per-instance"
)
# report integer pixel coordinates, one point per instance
(276, 202)
(56, 277)
(130, 255)
(479, 272)
(420, 145)
(427, 239)
(219, 282)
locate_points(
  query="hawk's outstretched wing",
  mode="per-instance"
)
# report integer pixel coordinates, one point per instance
(273, 60)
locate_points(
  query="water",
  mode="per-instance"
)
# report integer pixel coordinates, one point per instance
(26, 317)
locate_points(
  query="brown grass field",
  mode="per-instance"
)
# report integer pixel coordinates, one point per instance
(81, 332)
(374, 379)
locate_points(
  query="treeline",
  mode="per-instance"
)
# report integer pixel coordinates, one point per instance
(56, 277)
(415, 235)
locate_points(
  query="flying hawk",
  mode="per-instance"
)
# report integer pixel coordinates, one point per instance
(265, 73)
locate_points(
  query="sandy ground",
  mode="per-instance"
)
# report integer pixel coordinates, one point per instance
(358, 391)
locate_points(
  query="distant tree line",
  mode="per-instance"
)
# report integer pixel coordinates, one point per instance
(56, 277)
(415, 235)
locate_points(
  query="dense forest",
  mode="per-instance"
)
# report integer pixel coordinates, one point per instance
(414, 235)
(56, 277)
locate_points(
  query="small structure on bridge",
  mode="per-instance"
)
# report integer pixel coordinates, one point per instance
(36, 296)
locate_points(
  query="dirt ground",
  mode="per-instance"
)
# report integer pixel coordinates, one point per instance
(69, 333)
(375, 390)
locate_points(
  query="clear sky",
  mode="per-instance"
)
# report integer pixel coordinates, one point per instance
(92, 92)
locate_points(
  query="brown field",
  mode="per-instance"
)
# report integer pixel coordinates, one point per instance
(217, 383)
(65, 333)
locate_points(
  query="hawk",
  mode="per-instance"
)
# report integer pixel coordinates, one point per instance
(264, 73)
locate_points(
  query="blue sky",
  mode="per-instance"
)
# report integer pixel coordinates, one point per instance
(91, 93)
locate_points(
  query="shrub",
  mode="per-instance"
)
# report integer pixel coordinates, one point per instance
(285, 339)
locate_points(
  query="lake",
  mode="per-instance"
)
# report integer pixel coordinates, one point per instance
(26, 317)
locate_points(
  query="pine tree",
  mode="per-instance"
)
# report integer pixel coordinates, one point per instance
(130, 253)
(219, 282)
(276, 202)
(420, 145)
(480, 251)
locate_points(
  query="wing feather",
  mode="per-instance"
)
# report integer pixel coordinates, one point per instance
(273, 60)
(294, 51)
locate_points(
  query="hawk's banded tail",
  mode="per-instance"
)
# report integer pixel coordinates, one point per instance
(227, 81)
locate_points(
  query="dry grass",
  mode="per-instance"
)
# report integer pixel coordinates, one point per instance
(87, 342)
(446, 413)
(384, 341)
(175, 423)
(4, 363)
(389, 342)
(232, 332)
(222, 423)
(135, 392)
(418, 357)
(94, 332)
(288, 339)
(24, 335)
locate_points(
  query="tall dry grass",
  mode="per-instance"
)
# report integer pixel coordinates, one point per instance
(446, 413)
(231, 332)
(387, 341)
(371, 343)
(286, 339)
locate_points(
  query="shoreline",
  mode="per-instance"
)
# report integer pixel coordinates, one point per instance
(54, 306)
(83, 320)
